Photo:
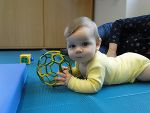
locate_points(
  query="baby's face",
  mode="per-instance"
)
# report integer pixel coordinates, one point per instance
(81, 45)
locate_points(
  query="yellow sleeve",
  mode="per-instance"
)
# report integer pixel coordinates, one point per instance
(93, 83)
(75, 71)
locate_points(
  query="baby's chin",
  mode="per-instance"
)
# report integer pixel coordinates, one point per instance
(79, 60)
(83, 60)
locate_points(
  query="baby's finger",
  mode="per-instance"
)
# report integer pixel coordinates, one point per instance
(61, 74)
(64, 68)
(60, 83)
(60, 79)
(66, 72)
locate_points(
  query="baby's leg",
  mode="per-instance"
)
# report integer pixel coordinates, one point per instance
(145, 75)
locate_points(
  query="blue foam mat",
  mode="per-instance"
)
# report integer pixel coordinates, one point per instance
(12, 79)
(38, 98)
(113, 99)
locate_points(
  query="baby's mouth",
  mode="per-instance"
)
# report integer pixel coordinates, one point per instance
(79, 57)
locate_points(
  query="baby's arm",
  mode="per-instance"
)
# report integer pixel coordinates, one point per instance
(92, 84)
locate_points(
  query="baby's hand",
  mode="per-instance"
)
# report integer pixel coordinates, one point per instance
(64, 76)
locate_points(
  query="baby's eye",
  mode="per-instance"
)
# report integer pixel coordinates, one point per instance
(85, 43)
(72, 46)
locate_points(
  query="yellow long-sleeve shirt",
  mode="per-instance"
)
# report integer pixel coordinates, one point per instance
(108, 70)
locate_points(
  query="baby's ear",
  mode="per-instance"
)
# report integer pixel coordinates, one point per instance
(98, 43)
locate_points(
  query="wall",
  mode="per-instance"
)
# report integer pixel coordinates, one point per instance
(109, 10)
(137, 7)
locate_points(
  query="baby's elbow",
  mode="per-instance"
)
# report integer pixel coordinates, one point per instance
(96, 90)
(92, 88)
(96, 87)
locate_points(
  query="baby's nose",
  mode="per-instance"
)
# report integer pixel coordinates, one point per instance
(79, 50)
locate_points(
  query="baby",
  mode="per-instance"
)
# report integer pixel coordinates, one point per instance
(93, 69)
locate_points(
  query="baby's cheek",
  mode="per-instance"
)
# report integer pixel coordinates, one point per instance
(90, 48)
(91, 51)
(71, 54)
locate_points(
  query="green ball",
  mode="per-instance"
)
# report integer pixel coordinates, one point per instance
(49, 64)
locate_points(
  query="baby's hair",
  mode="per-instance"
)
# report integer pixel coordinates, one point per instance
(81, 22)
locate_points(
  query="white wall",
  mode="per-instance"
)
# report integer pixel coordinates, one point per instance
(137, 7)
(109, 10)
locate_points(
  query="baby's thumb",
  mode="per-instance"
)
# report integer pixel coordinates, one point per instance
(65, 68)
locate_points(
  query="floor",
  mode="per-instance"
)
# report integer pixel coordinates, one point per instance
(39, 98)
